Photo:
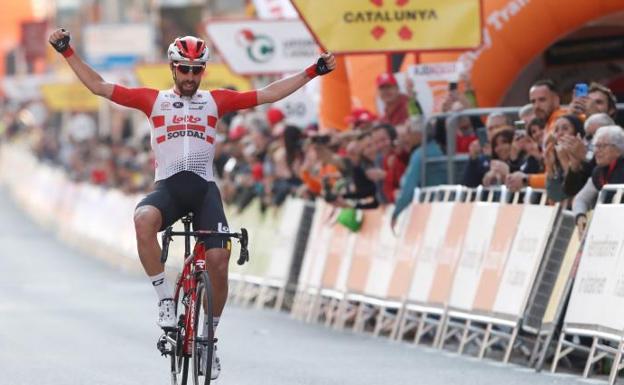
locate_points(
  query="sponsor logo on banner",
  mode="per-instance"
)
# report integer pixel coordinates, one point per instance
(260, 48)
(256, 47)
(355, 26)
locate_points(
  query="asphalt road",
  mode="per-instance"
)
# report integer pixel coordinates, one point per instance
(67, 318)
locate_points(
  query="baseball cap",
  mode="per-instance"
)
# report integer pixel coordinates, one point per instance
(274, 115)
(360, 115)
(386, 79)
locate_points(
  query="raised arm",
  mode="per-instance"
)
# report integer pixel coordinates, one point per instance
(284, 87)
(91, 79)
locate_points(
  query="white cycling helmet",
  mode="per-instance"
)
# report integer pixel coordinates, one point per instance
(188, 48)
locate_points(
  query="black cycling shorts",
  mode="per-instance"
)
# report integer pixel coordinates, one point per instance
(187, 192)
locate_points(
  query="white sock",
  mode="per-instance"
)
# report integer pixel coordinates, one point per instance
(162, 286)
(215, 322)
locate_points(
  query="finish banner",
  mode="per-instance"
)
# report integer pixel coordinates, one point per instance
(253, 47)
(357, 26)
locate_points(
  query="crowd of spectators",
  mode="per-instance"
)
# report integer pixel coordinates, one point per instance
(571, 152)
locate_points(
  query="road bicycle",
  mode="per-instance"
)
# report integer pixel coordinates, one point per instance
(192, 340)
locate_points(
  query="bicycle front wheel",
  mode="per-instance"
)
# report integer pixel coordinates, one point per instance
(179, 358)
(203, 333)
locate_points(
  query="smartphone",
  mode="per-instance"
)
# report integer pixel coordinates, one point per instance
(580, 90)
(520, 129)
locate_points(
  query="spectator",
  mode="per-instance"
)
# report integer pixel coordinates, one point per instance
(275, 117)
(319, 169)
(502, 162)
(581, 153)
(395, 103)
(546, 106)
(361, 119)
(526, 113)
(388, 161)
(599, 99)
(413, 175)
(609, 145)
(360, 191)
(557, 157)
(546, 102)
(480, 156)
(535, 129)
(495, 122)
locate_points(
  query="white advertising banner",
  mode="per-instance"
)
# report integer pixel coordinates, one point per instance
(275, 9)
(427, 258)
(524, 259)
(301, 107)
(476, 244)
(317, 247)
(431, 82)
(384, 259)
(598, 294)
(286, 237)
(119, 45)
(252, 47)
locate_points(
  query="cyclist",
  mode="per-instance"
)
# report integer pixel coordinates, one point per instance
(183, 133)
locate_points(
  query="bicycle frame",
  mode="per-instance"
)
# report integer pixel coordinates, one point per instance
(194, 264)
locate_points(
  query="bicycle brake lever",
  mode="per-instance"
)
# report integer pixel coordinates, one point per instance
(244, 253)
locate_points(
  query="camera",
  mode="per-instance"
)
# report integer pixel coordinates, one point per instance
(320, 139)
(328, 193)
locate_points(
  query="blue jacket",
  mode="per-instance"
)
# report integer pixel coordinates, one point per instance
(436, 175)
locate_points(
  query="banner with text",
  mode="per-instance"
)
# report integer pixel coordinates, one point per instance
(252, 47)
(356, 26)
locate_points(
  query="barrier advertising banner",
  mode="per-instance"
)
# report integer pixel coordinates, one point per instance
(496, 256)
(524, 259)
(407, 249)
(252, 47)
(449, 253)
(356, 26)
(428, 258)
(476, 242)
(598, 294)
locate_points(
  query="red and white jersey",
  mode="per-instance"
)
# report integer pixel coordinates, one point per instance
(183, 128)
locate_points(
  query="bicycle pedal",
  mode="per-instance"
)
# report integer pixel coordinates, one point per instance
(161, 345)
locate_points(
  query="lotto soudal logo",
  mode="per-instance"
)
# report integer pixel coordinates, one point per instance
(185, 119)
(222, 229)
(260, 48)
(178, 104)
(189, 133)
(165, 106)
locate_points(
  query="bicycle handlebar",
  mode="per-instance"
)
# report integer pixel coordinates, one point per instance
(242, 237)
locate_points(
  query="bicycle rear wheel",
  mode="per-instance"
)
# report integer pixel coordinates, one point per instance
(203, 333)
(179, 358)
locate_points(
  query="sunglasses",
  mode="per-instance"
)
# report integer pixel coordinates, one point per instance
(186, 68)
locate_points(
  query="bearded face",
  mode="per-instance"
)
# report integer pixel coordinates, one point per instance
(186, 78)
